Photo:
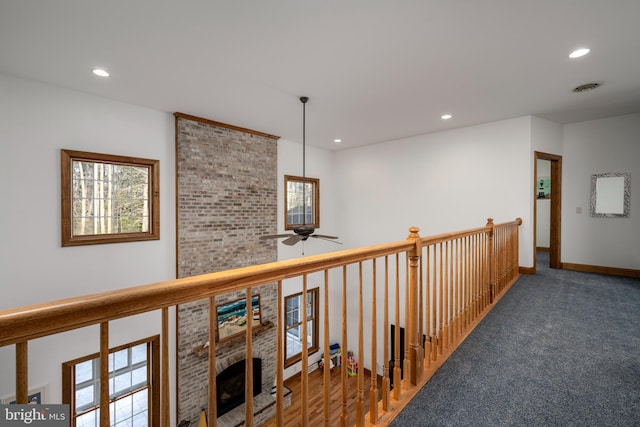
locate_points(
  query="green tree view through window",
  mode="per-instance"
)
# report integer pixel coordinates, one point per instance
(108, 198)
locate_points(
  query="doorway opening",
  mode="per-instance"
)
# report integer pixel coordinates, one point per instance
(546, 206)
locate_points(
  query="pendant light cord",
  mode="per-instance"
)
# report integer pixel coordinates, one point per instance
(304, 100)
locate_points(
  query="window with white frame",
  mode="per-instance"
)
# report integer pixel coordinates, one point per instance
(131, 386)
(294, 318)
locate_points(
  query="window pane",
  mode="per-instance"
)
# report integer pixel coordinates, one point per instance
(139, 376)
(293, 312)
(309, 305)
(310, 333)
(90, 419)
(84, 371)
(123, 409)
(294, 346)
(293, 302)
(121, 360)
(122, 383)
(85, 397)
(139, 354)
(140, 420)
(109, 198)
(140, 402)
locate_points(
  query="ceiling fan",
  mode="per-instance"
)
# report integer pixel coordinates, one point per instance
(304, 231)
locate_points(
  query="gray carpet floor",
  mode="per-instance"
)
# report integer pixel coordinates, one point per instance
(561, 348)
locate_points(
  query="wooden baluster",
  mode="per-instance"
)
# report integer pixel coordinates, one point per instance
(385, 352)
(478, 274)
(464, 270)
(279, 360)
(406, 369)
(456, 291)
(421, 311)
(373, 389)
(360, 377)
(416, 355)
(397, 372)
(304, 370)
(452, 286)
(491, 260)
(104, 374)
(502, 258)
(327, 365)
(345, 347)
(165, 396)
(445, 309)
(456, 288)
(22, 372)
(441, 334)
(427, 308)
(212, 404)
(498, 261)
(248, 394)
(467, 282)
(435, 336)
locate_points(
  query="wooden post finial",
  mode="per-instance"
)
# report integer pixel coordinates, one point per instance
(414, 232)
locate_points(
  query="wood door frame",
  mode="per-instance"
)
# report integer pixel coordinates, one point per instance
(556, 204)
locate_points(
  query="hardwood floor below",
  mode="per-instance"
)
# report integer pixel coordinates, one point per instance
(316, 402)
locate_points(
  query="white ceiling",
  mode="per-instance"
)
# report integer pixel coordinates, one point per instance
(374, 70)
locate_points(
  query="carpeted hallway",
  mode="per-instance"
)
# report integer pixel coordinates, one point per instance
(561, 348)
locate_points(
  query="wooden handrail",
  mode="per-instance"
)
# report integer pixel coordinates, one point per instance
(450, 282)
(40, 320)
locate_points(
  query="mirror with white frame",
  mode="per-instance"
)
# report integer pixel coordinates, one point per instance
(610, 195)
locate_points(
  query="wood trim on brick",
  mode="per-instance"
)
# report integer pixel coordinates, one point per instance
(224, 125)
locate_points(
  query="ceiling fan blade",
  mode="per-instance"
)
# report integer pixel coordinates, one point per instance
(327, 238)
(274, 236)
(292, 240)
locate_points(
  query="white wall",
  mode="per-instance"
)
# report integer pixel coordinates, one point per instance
(546, 136)
(599, 146)
(440, 182)
(36, 122)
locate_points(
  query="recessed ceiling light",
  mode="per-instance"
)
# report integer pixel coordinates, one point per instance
(337, 140)
(579, 52)
(446, 116)
(587, 87)
(100, 72)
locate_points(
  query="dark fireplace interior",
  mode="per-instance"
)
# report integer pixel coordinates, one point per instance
(230, 385)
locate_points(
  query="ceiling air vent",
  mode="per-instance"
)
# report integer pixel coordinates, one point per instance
(587, 87)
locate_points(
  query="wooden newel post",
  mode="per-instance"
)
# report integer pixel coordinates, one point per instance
(491, 261)
(416, 351)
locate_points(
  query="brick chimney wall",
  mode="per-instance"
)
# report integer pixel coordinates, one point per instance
(226, 198)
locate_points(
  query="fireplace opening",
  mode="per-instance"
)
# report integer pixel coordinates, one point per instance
(230, 385)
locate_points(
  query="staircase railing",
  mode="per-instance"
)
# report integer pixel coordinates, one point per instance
(437, 288)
